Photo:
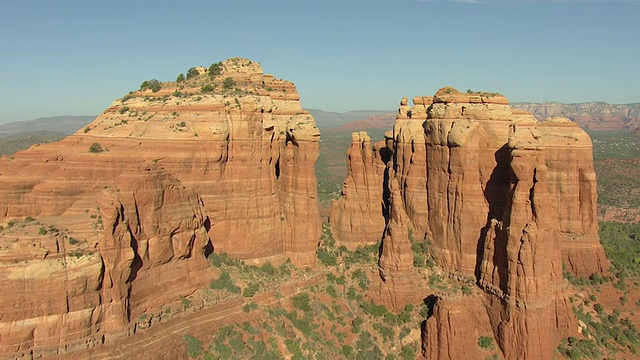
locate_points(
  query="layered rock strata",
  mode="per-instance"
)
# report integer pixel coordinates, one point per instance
(220, 161)
(500, 198)
(358, 216)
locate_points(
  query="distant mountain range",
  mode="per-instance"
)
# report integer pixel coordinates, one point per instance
(326, 120)
(66, 124)
(589, 115)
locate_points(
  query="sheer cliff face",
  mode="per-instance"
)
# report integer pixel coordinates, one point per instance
(357, 218)
(502, 199)
(219, 163)
(247, 149)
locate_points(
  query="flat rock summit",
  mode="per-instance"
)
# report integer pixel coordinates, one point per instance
(118, 219)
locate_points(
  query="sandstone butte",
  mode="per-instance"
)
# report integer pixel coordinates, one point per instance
(131, 205)
(501, 200)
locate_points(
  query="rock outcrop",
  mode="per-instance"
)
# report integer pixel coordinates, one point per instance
(220, 161)
(357, 217)
(500, 198)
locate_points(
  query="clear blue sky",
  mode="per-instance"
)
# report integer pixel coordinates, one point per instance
(75, 57)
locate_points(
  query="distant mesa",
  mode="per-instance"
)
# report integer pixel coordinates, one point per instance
(592, 116)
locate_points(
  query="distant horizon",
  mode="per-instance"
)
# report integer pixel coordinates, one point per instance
(77, 57)
(2, 122)
(328, 111)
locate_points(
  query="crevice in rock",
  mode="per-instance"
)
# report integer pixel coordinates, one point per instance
(136, 264)
(208, 249)
(531, 195)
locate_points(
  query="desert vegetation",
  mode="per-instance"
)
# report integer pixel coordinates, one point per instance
(331, 317)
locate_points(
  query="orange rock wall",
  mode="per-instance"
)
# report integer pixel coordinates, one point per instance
(502, 199)
(358, 216)
(178, 173)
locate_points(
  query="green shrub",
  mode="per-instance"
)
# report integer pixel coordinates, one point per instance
(574, 348)
(180, 78)
(42, 231)
(215, 69)
(95, 148)
(192, 73)
(207, 88)
(485, 342)
(228, 83)
(302, 301)
(599, 308)
(361, 278)
(194, 346)
(408, 353)
(373, 309)
(215, 260)
(220, 260)
(326, 257)
(224, 282)
(251, 290)
(356, 323)
(128, 96)
(268, 269)
(467, 290)
(152, 84)
(331, 290)
(250, 307)
(186, 303)
(347, 351)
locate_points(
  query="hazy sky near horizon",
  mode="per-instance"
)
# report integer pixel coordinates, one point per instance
(74, 57)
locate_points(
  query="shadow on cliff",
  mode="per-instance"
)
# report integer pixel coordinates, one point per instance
(208, 249)
(495, 193)
(136, 264)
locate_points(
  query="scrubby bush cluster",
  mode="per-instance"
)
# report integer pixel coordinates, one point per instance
(152, 84)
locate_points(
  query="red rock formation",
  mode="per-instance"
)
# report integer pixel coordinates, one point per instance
(157, 181)
(522, 259)
(248, 151)
(503, 199)
(447, 334)
(155, 241)
(357, 218)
